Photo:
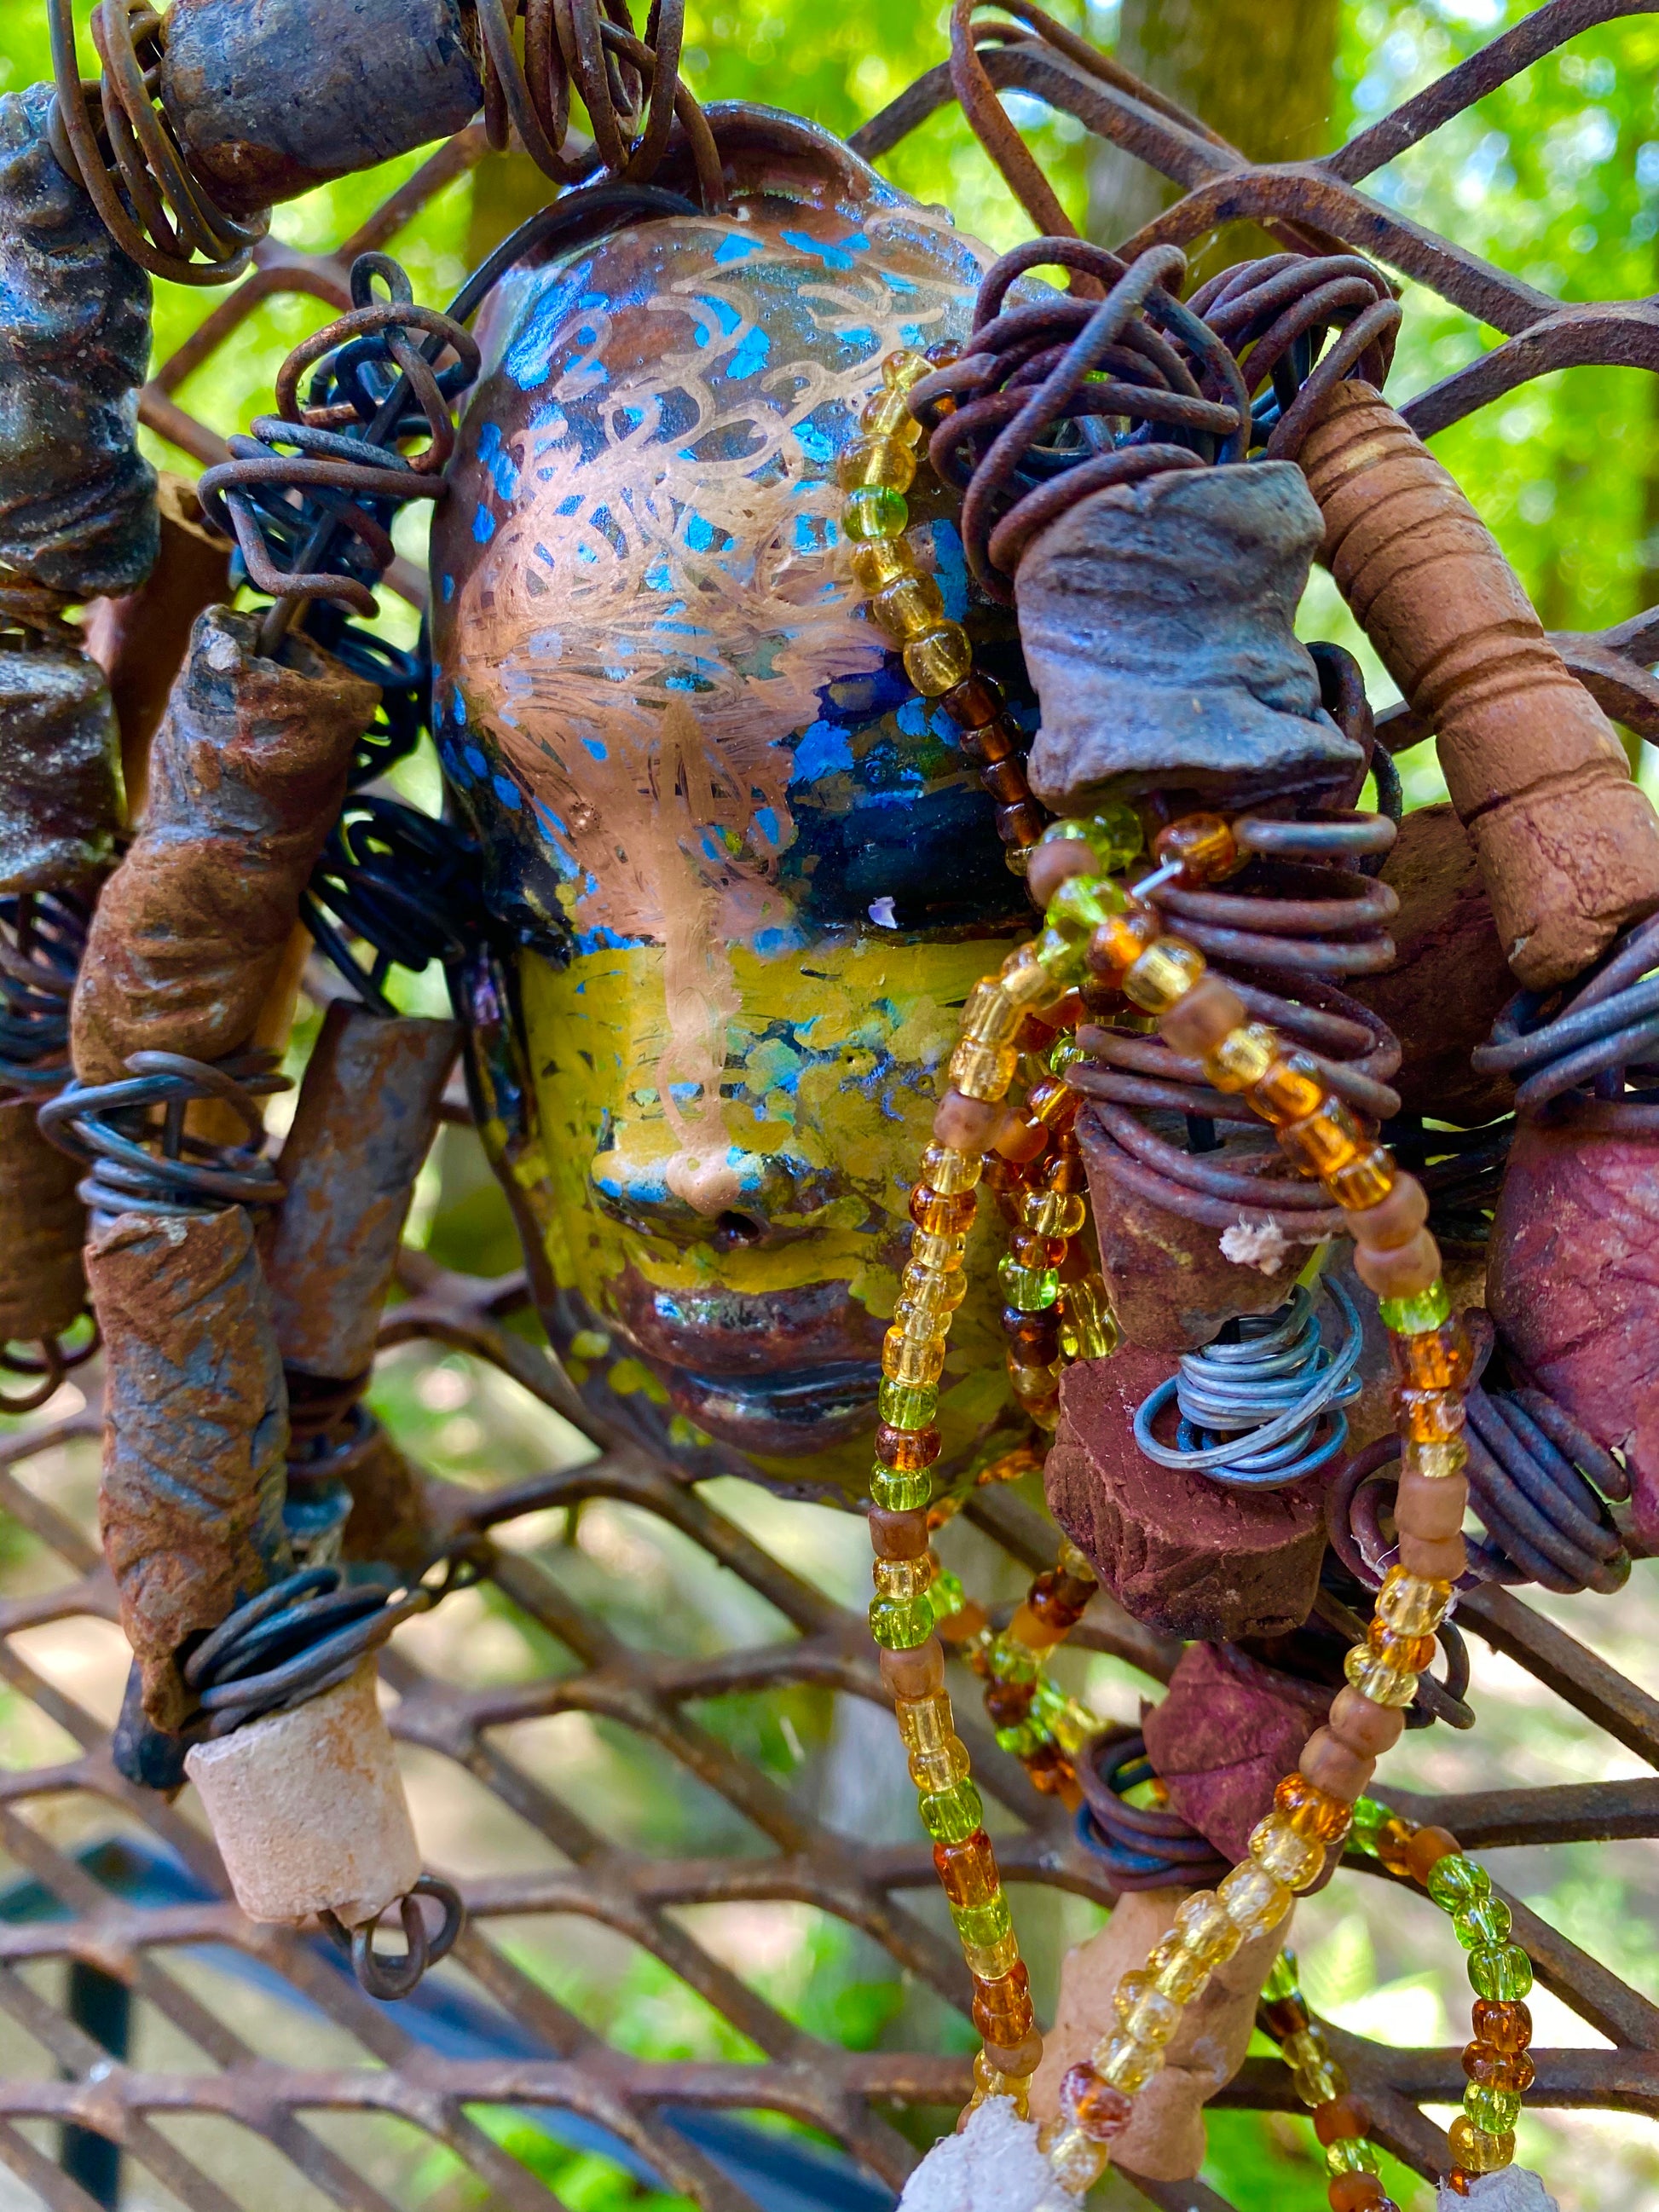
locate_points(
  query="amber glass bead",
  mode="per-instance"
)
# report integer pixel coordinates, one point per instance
(887, 414)
(1164, 974)
(1053, 1103)
(876, 462)
(1205, 846)
(874, 511)
(1412, 1605)
(1436, 1462)
(908, 607)
(1310, 1812)
(1034, 1336)
(907, 1450)
(939, 659)
(1060, 1601)
(1020, 826)
(1177, 1971)
(1436, 1360)
(1245, 1056)
(1429, 1416)
(1002, 2008)
(946, 1214)
(975, 701)
(1291, 1089)
(1428, 1846)
(1363, 1181)
(1393, 1842)
(1007, 1703)
(1507, 2027)
(982, 1071)
(908, 1359)
(1475, 2150)
(1375, 1679)
(881, 562)
(1127, 2064)
(1004, 780)
(984, 747)
(1285, 2017)
(1324, 1140)
(1512, 2071)
(1293, 1859)
(1102, 2112)
(1119, 941)
(1207, 1929)
(1356, 2192)
(1412, 1654)
(905, 367)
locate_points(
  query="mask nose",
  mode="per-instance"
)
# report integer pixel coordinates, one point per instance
(721, 1196)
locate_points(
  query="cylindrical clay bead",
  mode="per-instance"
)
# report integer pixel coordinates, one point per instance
(367, 1113)
(1568, 845)
(60, 786)
(77, 508)
(307, 1808)
(247, 773)
(195, 1433)
(42, 1224)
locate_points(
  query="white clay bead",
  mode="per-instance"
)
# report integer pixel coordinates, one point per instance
(307, 1808)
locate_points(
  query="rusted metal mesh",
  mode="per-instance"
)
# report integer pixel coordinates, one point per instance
(76, 1831)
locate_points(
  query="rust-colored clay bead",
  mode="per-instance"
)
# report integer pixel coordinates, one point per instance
(1363, 1726)
(897, 1536)
(1395, 1220)
(1019, 1140)
(1333, 1767)
(914, 1674)
(1196, 1024)
(1051, 865)
(1425, 1850)
(1023, 2057)
(1027, 1628)
(1402, 1273)
(1356, 2192)
(1431, 1506)
(1439, 1560)
(968, 1124)
(1343, 2119)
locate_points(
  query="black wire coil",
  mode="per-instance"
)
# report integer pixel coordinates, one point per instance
(42, 935)
(399, 882)
(1144, 1847)
(1588, 1040)
(132, 1134)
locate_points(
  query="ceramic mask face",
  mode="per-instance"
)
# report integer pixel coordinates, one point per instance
(749, 878)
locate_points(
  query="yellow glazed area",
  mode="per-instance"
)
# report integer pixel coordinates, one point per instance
(833, 1057)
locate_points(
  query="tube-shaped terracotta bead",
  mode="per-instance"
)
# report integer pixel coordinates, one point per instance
(1363, 1726)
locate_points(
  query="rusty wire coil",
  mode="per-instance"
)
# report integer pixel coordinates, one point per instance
(1276, 315)
(142, 1155)
(42, 935)
(1144, 1847)
(1538, 1481)
(630, 87)
(148, 192)
(1051, 401)
(1587, 1041)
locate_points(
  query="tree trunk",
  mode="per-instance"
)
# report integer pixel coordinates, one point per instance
(1261, 72)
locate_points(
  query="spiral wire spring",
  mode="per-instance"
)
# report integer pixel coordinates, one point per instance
(42, 935)
(160, 1166)
(1587, 1044)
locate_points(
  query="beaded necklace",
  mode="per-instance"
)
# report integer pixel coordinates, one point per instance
(1095, 928)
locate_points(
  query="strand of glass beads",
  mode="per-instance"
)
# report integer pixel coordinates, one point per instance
(1496, 2061)
(1339, 2118)
(875, 472)
(1093, 925)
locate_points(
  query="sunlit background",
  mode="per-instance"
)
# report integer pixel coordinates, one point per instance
(1557, 180)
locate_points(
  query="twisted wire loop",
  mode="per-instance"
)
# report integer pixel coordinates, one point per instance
(538, 54)
(390, 1977)
(1051, 402)
(143, 1157)
(1539, 1484)
(148, 194)
(1144, 1847)
(310, 495)
(398, 882)
(1592, 1045)
(1261, 1405)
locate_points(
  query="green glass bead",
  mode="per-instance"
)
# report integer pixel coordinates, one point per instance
(1370, 1819)
(1455, 1882)
(1082, 903)
(1281, 1979)
(907, 1405)
(1062, 956)
(1012, 1660)
(1030, 1289)
(1019, 1742)
(951, 1815)
(900, 1624)
(983, 1924)
(1415, 1316)
(1494, 2111)
(874, 511)
(1351, 2155)
(1483, 1926)
(1504, 1972)
(897, 1492)
(946, 1595)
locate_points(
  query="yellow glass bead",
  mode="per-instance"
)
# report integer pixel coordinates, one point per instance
(940, 1251)
(1477, 2152)
(1078, 2160)
(1297, 1861)
(1253, 1899)
(1309, 2057)
(903, 1359)
(989, 2082)
(1319, 2084)
(1412, 1605)
(932, 1291)
(983, 1071)
(945, 1168)
(1364, 1181)
(877, 463)
(881, 562)
(924, 1723)
(1176, 1971)
(1026, 981)
(918, 1328)
(989, 1962)
(1375, 1679)
(991, 1015)
(1323, 1140)
(1206, 1927)
(902, 1577)
(939, 660)
(908, 608)
(905, 367)
(1054, 1212)
(1034, 1383)
(1164, 974)
(1130, 1990)
(1127, 2064)
(1243, 1057)
(1153, 2018)
(1087, 1328)
(941, 1768)
(887, 414)
(1438, 1460)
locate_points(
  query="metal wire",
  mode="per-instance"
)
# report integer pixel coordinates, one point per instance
(1261, 1405)
(1589, 1039)
(399, 882)
(390, 1978)
(1144, 1847)
(42, 935)
(139, 1161)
